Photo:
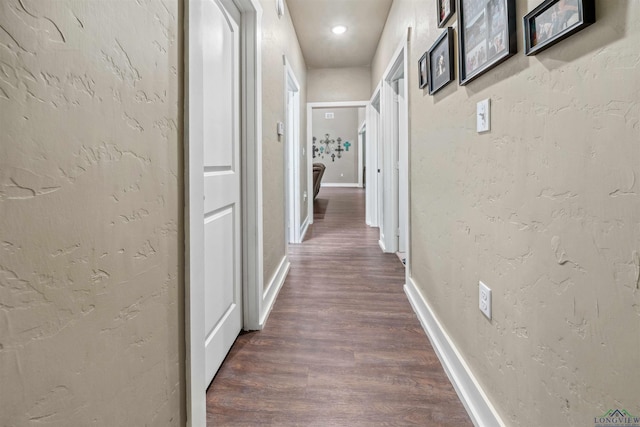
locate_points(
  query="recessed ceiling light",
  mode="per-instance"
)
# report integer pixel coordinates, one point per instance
(339, 29)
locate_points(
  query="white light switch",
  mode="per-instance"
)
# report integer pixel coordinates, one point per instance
(483, 116)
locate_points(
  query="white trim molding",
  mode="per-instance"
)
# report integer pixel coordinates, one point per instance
(362, 131)
(340, 184)
(253, 251)
(475, 401)
(273, 288)
(374, 157)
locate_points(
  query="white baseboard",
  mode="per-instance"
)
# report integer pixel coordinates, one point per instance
(303, 228)
(478, 406)
(275, 284)
(382, 246)
(340, 184)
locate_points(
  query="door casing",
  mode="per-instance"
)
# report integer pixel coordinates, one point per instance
(374, 158)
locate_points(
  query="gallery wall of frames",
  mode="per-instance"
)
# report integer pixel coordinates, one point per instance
(487, 36)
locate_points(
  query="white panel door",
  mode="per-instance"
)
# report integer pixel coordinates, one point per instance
(222, 194)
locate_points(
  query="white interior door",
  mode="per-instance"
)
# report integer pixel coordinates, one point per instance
(221, 174)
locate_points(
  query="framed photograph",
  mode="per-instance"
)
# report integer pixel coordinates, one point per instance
(555, 20)
(486, 36)
(440, 62)
(422, 71)
(446, 8)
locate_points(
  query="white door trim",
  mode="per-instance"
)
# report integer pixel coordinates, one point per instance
(374, 199)
(292, 138)
(361, 141)
(251, 124)
(310, 107)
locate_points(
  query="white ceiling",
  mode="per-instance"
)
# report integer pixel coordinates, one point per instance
(313, 20)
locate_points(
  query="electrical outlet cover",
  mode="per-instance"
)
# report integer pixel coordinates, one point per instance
(484, 298)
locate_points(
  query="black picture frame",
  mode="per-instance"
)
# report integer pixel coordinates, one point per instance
(440, 62)
(445, 10)
(555, 20)
(423, 74)
(486, 36)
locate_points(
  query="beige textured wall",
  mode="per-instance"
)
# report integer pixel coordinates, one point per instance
(91, 298)
(339, 84)
(278, 39)
(544, 208)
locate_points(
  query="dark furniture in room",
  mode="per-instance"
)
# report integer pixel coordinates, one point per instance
(318, 171)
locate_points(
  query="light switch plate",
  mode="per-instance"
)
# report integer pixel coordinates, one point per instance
(483, 115)
(280, 128)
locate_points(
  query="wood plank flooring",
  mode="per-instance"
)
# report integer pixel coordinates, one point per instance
(342, 346)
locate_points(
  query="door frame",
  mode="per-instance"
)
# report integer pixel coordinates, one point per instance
(373, 190)
(251, 136)
(362, 139)
(310, 107)
(395, 156)
(292, 152)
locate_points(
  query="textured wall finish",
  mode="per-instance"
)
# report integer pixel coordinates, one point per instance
(544, 209)
(278, 38)
(91, 299)
(339, 84)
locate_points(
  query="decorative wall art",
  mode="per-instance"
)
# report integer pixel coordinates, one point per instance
(555, 20)
(440, 62)
(486, 36)
(328, 148)
(422, 71)
(446, 8)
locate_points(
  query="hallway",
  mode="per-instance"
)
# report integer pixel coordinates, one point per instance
(342, 346)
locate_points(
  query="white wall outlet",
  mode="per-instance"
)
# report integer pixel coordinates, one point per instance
(483, 115)
(485, 300)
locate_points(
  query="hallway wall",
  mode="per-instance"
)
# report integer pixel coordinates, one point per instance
(91, 246)
(339, 84)
(544, 209)
(279, 38)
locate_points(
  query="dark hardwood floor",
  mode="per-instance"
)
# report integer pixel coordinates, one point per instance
(342, 346)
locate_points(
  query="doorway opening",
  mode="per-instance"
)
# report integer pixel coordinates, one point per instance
(332, 139)
(394, 125)
(294, 195)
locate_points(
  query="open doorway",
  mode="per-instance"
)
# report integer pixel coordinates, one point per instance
(394, 157)
(332, 140)
(292, 139)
